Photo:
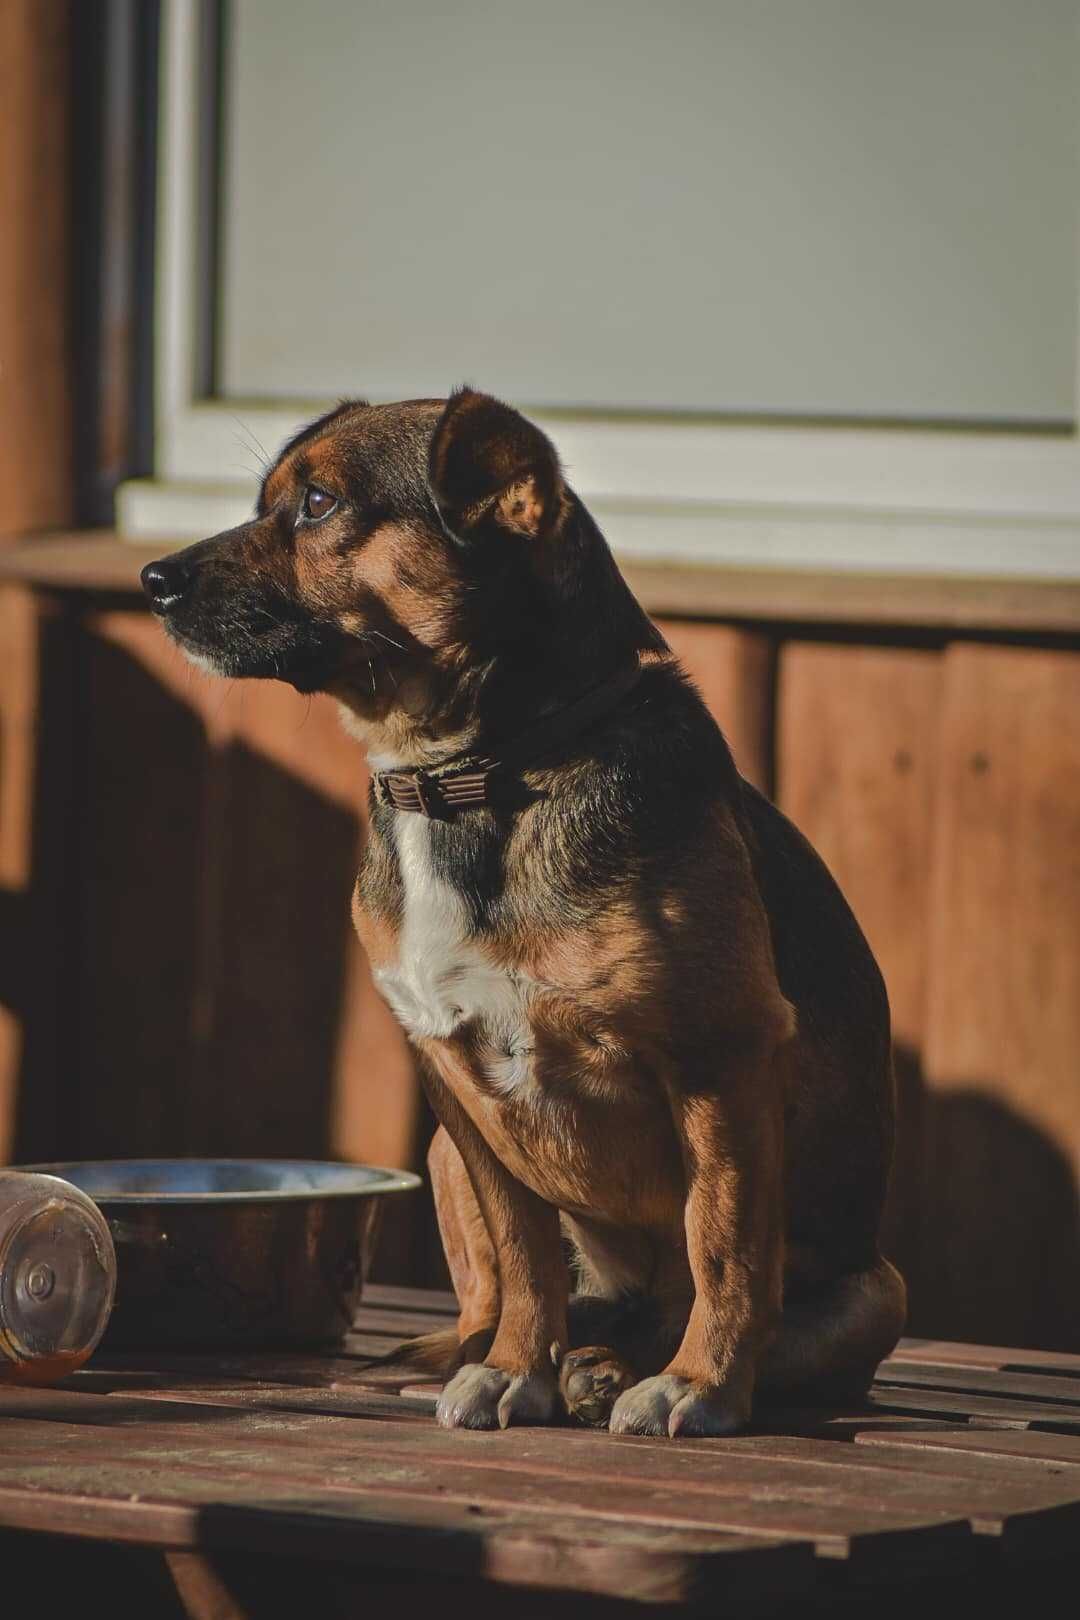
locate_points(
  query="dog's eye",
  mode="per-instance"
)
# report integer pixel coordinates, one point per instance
(317, 504)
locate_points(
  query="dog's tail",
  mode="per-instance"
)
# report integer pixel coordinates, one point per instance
(432, 1355)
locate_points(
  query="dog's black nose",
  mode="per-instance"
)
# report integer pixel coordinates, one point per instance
(165, 583)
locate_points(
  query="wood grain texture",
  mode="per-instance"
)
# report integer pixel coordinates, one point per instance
(99, 560)
(733, 672)
(219, 849)
(1003, 1003)
(857, 770)
(38, 797)
(35, 380)
(945, 1491)
(18, 738)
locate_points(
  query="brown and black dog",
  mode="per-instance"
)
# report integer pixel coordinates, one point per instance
(648, 1022)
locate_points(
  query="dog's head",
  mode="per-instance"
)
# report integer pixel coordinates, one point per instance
(401, 557)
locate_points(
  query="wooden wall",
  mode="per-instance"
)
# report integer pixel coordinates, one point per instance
(184, 979)
(35, 442)
(943, 788)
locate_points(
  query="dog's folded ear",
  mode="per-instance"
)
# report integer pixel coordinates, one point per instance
(491, 470)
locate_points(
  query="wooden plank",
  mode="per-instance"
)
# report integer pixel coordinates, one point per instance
(125, 1504)
(440, 1301)
(1003, 1503)
(35, 259)
(285, 862)
(979, 1381)
(886, 1539)
(966, 1453)
(233, 813)
(793, 595)
(99, 560)
(139, 910)
(18, 738)
(1028, 1448)
(1003, 1150)
(955, 1353)
(1002, 1410)
(733, 672)
(857, 767)
(400, 1324)
(856, 764)
(311, 1371)
(41, 789)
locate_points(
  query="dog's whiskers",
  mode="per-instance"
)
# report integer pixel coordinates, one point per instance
(381, 637)
(254, 444)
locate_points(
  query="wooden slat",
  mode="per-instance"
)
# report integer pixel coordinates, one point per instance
(40, 795)
(1004, 1410)
(733, 671)
(421, 1300)
(537, 1466)
(885, 1539)
(1003, 1153)
(98, 560)
(400, 1324)
(1027, 1449)
(954, 1353)
(292, 1455)
(141, 841)
(18, 739)
(857, 768)
(35, 380)
(232, 1010)
(509, 1547)
(979, 1381)
(973, 1457)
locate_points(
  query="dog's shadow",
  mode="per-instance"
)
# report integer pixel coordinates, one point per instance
(983, 1219)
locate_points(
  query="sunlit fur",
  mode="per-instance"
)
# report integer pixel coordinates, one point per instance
(646, 1018)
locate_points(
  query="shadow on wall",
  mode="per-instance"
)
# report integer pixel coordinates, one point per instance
(983, 1219)
(179, 962)
(179, 968)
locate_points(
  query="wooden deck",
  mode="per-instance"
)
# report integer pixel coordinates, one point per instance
(232, 1486)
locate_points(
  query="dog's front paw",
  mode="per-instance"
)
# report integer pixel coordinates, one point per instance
(480, 1397)
(668, 1404)
(590, 1381)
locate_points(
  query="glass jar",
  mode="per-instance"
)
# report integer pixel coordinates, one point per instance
(57, 1277)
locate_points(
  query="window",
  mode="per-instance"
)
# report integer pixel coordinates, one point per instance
(788, 283)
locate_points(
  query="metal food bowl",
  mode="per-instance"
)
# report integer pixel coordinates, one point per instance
(236, 1252)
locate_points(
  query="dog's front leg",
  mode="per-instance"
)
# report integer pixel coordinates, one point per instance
(732, 1143)
(517, 1381)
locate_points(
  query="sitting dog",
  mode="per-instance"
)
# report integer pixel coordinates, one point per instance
(649, 1026)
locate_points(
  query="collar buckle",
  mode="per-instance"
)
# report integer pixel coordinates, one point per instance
(436, 797)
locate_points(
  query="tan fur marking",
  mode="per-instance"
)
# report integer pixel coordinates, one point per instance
(521, 507)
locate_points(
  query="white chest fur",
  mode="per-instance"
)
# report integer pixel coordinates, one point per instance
(440, 980)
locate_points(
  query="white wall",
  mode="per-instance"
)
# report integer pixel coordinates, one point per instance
(811, 207)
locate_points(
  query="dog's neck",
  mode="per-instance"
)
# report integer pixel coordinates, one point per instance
(576, 632)
(493, 728)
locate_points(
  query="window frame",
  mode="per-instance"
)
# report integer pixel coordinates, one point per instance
(804, 495)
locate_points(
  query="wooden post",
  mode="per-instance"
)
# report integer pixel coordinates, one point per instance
(35, 373)
(35, 456)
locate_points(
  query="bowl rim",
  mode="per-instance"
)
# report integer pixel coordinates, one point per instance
(383, 1180)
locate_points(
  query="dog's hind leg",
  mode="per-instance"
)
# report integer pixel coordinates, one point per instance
(473, 1272)
(831, 1340)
